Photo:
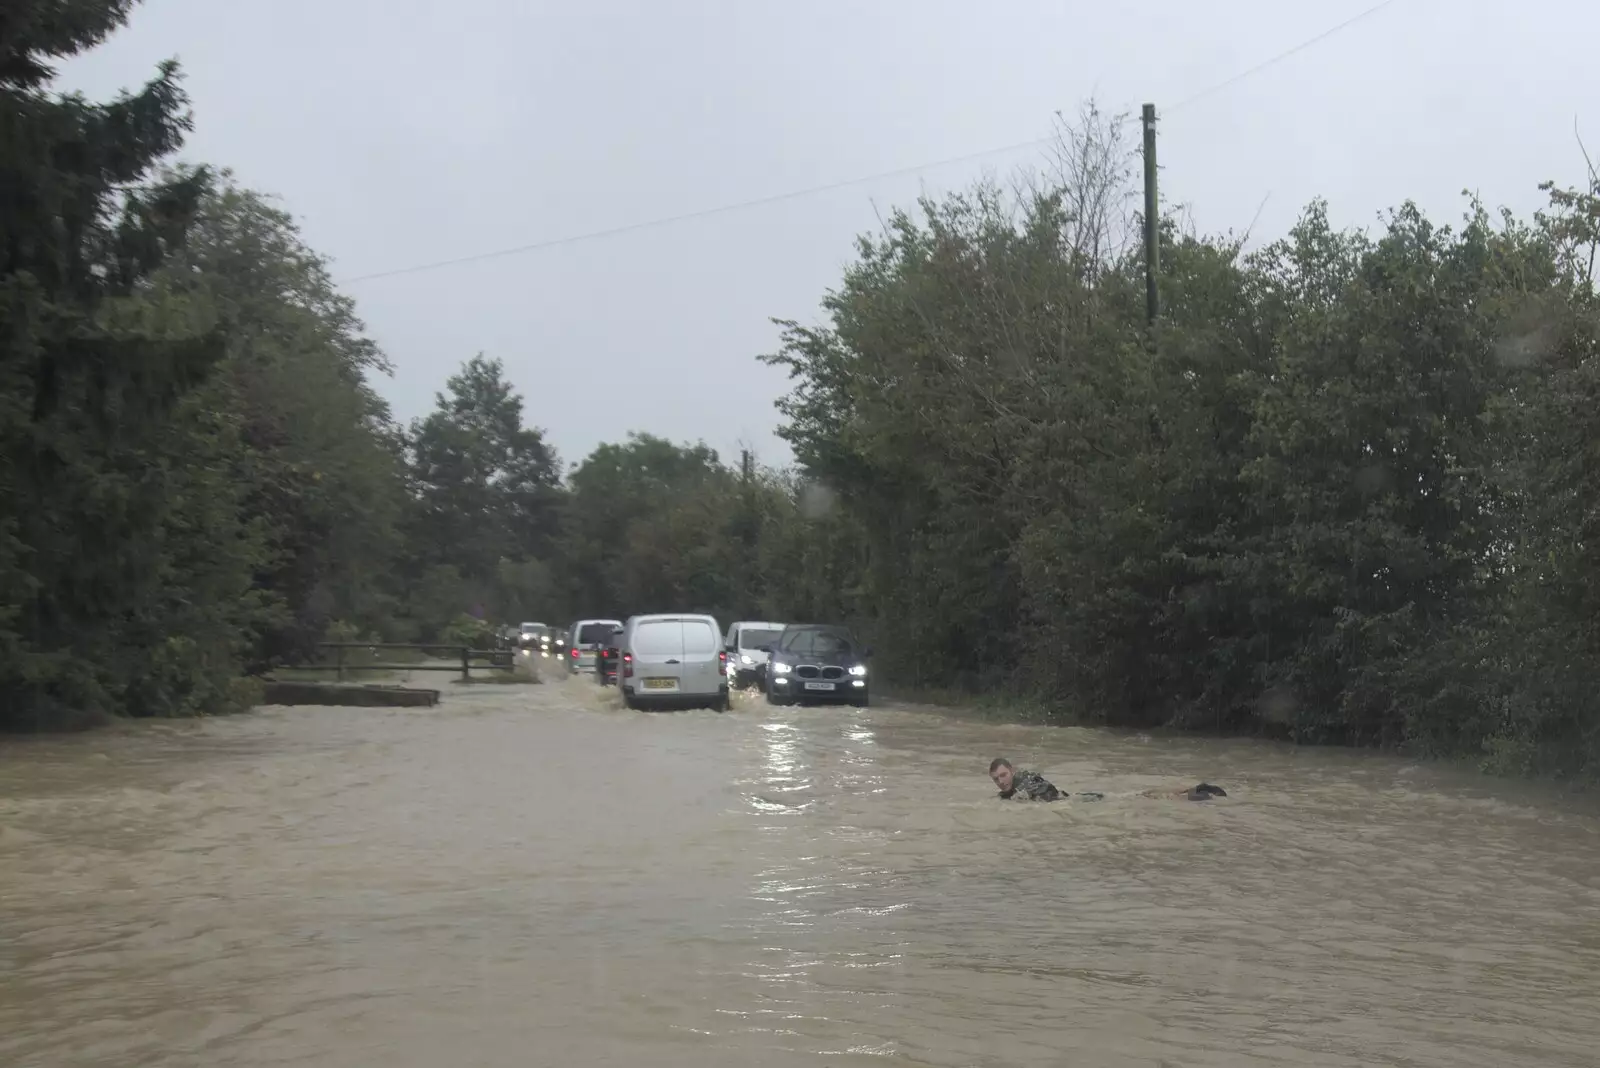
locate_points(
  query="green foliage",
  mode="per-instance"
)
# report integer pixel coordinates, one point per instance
(322, 470)
(342, 630)
(485, 485)
(194, 474)
(523, 589)
(99, 490)
(483, 506)
(468, 631)
(646, 528)
(1344, 497)
(36, 31)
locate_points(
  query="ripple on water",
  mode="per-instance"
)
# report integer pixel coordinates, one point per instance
(537, 869)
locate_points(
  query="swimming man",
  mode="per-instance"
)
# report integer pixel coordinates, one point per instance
(1023, 785)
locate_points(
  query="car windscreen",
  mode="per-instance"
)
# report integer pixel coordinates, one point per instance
(754, 639)
(593, 633)
(822, 643)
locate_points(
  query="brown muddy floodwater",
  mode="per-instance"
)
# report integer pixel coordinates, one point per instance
(532, 876)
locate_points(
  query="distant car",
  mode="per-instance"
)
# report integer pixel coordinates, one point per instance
(673, 660)
(584, 640)
(535, 638)
(747, 643)
(817, 662)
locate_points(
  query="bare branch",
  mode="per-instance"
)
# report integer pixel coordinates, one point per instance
(1594, 178)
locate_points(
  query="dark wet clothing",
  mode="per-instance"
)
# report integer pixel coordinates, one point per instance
(1031, 786)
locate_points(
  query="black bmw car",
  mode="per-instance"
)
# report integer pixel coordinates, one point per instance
(816, 662)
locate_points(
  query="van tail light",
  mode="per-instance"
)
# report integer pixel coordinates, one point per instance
(722, 657)
(574, 654)
(627, 664)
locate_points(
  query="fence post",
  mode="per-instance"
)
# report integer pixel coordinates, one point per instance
(466, 663)
(340, 676)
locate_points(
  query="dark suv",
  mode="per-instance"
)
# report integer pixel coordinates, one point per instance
(817, 662)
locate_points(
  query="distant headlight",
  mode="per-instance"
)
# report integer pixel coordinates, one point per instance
(859, 670)
(780, 669)
(744, 658)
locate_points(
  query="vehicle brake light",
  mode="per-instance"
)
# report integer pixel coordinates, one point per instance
(574, 654)
(627, 664)
(722, 667)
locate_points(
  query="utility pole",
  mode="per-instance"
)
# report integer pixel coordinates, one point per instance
(1152, 222)
(747, 493)
(749, 534)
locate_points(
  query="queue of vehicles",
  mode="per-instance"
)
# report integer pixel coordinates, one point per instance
(687, 660)
(541, 639)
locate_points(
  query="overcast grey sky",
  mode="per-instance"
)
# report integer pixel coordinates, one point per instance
(407, 131)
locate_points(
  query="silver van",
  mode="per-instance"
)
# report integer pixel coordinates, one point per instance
(583, 641)
(673, 660)
(747, 644)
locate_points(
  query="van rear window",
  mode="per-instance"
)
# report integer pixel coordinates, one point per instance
(591, 633)
(658, 638)
(750, 638)
(698, 637)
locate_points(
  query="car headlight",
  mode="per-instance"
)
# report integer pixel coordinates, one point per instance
(859, 670)
(744, 658)
(780, 669)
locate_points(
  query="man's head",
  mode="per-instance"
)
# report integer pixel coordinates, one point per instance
(1000, 770)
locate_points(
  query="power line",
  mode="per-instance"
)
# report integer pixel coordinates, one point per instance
(705, 212)
(1280, 57)
(898, 172)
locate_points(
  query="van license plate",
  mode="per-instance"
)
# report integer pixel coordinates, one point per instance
(664, 684)
(819, 686)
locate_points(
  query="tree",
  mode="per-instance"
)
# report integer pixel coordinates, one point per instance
(646, 525)
(323, 471)
(485, 489)
(1520, 680)
(1344, 496)
(980, 370)
(95, 416)
(1371, 455)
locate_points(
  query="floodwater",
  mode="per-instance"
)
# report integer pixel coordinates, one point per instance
(531, 875)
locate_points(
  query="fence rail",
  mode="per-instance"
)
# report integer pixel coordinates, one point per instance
(465, 657)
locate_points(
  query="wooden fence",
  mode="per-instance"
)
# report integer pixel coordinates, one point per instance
(463, 659)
